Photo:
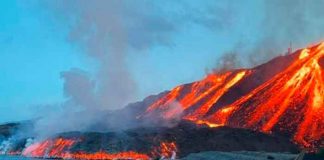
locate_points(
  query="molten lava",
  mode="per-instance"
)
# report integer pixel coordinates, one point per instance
(104, 155)
(166, 149)
(202, 93)
(61, 148)
(49, 148)
(290, 101)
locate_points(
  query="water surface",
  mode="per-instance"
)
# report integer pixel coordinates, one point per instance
(5, 157)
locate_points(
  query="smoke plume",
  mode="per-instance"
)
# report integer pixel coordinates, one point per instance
(283, 22)
(299, 22)
(106, 31)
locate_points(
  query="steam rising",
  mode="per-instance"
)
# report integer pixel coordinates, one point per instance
(108, 30)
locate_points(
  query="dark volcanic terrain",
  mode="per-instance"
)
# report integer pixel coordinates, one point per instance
(186, 137)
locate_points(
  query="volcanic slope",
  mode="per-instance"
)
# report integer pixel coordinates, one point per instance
(284, 95)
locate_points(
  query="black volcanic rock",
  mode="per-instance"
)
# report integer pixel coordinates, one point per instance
(227, 139)
(6, 130)
(188, 138)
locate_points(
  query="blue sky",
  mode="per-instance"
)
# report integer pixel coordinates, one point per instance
(35, 49)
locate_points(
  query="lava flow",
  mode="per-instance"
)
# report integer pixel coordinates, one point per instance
(289, 101)
(105, 155)
(166, 149)
(49, 148)
(292, 101)
(198, 96)
(61, 148)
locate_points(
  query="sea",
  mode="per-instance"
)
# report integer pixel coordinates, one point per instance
(6, 157)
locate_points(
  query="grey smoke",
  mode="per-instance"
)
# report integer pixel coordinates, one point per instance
(299, 22)
(226, 62)
(79, 88)
(229, 60)
(106, 31)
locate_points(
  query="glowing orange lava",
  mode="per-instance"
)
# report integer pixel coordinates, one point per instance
(203, 109)
(166, 150)
(292, 100)
(61, 148)
(105, 155)
(49, 148)
(206, 92)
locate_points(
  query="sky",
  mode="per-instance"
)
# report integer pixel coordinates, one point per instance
(162, 43)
